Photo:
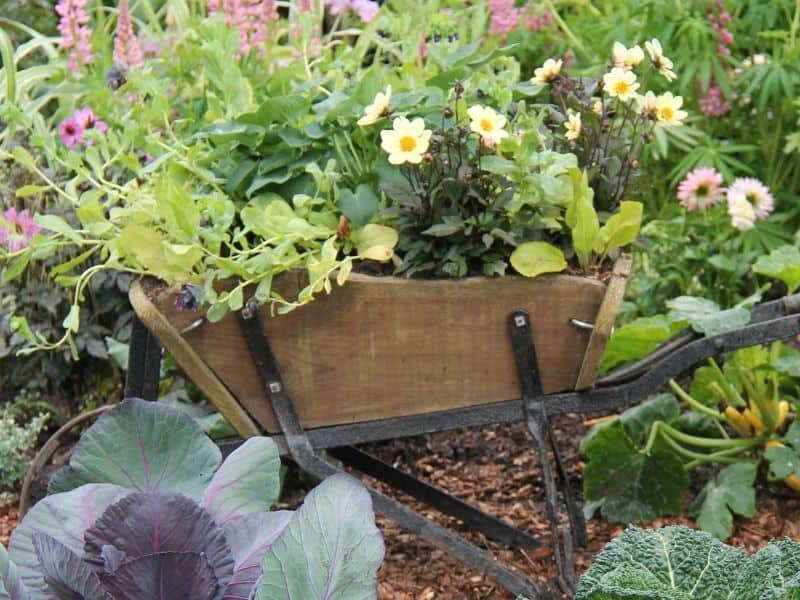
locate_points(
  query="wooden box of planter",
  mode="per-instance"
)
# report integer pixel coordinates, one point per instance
(382, 347)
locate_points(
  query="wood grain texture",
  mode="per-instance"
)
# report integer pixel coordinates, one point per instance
(604, 323)
(382, 347)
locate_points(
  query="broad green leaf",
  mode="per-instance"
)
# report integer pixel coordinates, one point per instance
(331, 548)
(622, 228)
(638, 419)
(17, 266)
(582, 218)
(535, 258)
(375, 242)
(705, 316)
(360, 206)
(177, 208)
(783, 461)
(497, 165)
(700, 389)
(30, 190)
(246, 482)
(65, 517)
(143, 446)
(632, 485)
(635, 340)
(23, 157)
(672, 563)
(782, 263)
(772, 573)
(731, 491)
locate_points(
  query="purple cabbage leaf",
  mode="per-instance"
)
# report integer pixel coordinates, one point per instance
(11, 586)
(65, 573)
(144, 446)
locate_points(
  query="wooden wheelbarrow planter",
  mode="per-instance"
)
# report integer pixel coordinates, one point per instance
(383, 358)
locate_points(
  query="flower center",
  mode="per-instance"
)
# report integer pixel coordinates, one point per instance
(621, 87)
(407, 143)
(702, 190)
(667, 113)
(752, 199)
(486, 125)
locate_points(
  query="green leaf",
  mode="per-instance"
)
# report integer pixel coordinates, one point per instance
(772, 573)
(497, 165)
(700, 389)
(622, 228)
(783, 461)
(638, 419)
(672, 563)
(705, 316)
(375, 242)
(30, 190)
(632, 485)
(635, 340)
(782, 263)
(731, 491)
(330, 549)
(582, 218)
(143, 446)
(56, 224)
(535, 258)
(360, 206)
(17, 266)
(72, 321)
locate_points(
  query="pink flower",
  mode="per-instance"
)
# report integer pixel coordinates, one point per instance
(337, 7)
(713, 103)
(504, 16)
(20, 230)
(366, 9)
(250, 17)
(70, 131)
(755, 193)
(127, 49)
(75, 32)
(700, 189)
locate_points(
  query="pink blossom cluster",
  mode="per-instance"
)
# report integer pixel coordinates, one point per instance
(713, 103)
(365, 9)
(534, 19)
(18, 230)
(719, 19)
(127, 49)
(505, 16)
(73, 128)
(250, 17)
(76, 34)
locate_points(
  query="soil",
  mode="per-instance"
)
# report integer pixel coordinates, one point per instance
(496, 469)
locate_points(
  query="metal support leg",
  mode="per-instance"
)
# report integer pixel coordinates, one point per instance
(303, 454)
(443, 502)
(521, 334)
(144, 363)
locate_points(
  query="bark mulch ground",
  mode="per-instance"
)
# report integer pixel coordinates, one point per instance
(496, 469)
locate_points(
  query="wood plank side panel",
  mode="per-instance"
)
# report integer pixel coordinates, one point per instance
(387, 347)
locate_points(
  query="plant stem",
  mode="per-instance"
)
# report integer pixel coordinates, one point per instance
(697, 406)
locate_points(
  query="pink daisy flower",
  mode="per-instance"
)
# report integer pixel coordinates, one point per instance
(754, 192)
(87, 119)
(70, 131)
(22, 229)
(700, 189)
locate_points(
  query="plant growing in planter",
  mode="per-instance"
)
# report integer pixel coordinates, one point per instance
(146, 509)
(251, 175)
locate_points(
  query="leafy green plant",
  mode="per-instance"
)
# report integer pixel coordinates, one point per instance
(678, 563)
(146, 508)
(735, 416)
(18, 438)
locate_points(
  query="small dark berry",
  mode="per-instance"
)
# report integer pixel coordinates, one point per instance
(448, 112)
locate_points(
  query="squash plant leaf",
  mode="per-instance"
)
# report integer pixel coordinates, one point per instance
(632, 485)
(635, 340)
(705, 316)
(731, 491)
(782, 263)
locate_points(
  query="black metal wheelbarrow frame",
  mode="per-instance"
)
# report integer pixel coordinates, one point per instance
(769, 322)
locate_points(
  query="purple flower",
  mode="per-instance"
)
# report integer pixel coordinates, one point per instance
(71, 132)
(188, 297)
(504, 16)
(366, 9)
(3, 235)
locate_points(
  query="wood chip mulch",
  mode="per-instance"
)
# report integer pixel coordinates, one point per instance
(496, 469)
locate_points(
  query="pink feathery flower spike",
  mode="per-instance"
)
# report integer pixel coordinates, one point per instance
(504, 16)
(127, 49)
(75, 32)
